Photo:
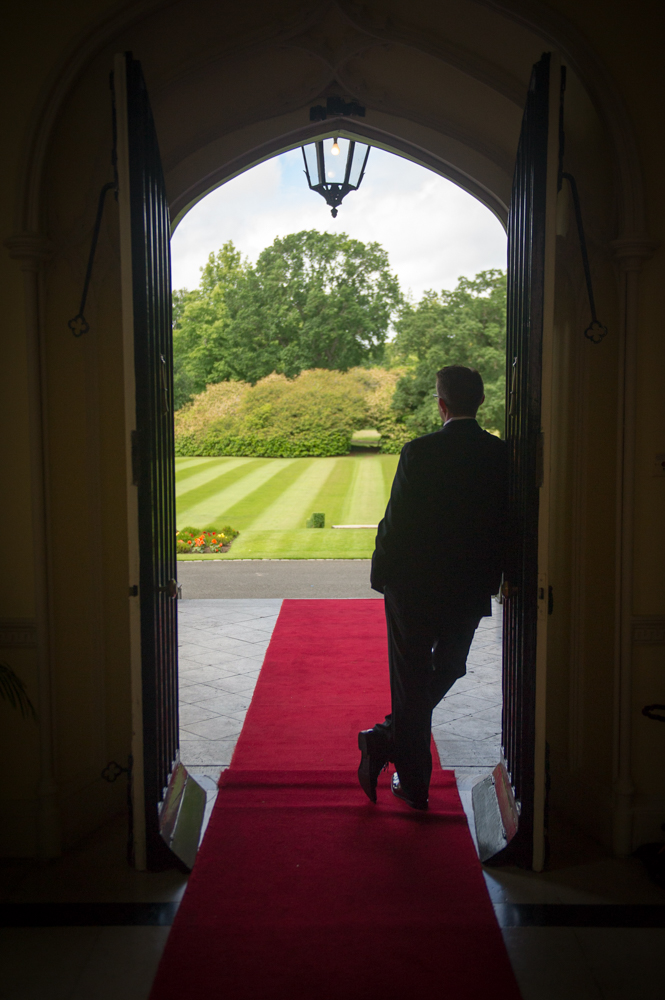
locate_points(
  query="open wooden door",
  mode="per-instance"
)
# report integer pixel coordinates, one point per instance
(146, 296)
(531, 251)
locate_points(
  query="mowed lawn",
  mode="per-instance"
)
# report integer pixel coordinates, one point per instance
(269, 500)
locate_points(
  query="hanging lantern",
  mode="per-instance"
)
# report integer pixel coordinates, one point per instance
(337, 174)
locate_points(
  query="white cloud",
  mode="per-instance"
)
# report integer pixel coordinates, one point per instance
(433, 231)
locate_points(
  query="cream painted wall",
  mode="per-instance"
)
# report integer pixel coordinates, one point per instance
(630, 39)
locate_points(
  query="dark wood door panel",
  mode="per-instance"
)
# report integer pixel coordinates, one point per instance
(526, 286)
(153, 452)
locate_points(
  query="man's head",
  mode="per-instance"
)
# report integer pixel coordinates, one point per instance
(460, 391)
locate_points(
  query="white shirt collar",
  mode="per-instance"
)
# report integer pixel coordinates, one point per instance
(450, 419)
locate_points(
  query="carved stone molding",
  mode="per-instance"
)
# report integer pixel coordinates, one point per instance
(360, 20)
(18, 633)
(32, 249)
(631, 251)
(648, 630)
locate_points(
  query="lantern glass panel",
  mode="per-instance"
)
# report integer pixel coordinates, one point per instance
(310, 156)
(335, 165)
(358, 159)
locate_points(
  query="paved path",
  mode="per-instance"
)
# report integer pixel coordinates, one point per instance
(275, 578)
(466, 725)
(222, 646)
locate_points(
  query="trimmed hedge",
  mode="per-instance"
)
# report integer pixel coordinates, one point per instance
(393, 439)
(316, 445)
(312, 415)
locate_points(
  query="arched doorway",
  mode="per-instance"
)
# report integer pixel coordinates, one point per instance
(146, 292)
(220, 93)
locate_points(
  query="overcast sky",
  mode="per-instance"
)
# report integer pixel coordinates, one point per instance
(433, 231)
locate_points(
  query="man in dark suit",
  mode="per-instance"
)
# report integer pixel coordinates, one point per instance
(438, 560)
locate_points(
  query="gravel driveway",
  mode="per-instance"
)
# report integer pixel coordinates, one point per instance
(262, 578)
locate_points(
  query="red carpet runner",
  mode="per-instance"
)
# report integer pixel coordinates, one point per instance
(304, 890)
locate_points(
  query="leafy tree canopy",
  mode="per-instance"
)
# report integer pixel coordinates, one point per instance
(466, 326)
(200, 319)
(313, 300)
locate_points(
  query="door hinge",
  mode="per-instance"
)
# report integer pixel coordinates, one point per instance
(543, 596)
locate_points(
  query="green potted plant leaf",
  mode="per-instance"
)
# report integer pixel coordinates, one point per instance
(12, 689)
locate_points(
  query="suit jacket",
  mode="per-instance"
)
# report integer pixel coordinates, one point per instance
(443, 533)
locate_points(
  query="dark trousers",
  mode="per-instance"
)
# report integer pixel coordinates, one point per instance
(427, 651)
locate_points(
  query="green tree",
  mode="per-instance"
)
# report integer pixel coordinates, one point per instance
(466, 326)
(200, 318)
(313, 300)
(179, 297)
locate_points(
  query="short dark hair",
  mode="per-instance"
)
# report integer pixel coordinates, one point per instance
(461, 389)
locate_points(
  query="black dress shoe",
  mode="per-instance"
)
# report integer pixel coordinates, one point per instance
(415, 803)
(372, 761)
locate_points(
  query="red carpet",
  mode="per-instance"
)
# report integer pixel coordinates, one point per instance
(325, 677)
(302, 888)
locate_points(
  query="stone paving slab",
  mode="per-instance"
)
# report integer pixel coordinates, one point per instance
(222, 646)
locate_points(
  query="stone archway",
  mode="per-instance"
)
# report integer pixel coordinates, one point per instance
(229, 88)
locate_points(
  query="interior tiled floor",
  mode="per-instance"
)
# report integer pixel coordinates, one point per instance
(87, 962)
(223, 647)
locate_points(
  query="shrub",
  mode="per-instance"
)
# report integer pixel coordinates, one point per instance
(316, 521)
(393, 440)
(314, 414)
(208, 540)
(230, 532)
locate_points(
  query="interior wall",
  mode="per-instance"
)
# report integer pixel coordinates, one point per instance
(86, 466)
(580, 689)
(24, 81)
(645, 94)
(17, 625)
(628, 39)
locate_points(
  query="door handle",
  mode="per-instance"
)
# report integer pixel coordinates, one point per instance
(171, 589)
(512, 398)
(507, 589)
(164, 385)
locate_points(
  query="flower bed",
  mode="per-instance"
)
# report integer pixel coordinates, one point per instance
(189, 540)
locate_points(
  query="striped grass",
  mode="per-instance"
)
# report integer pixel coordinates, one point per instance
(270, 499)
(201, 484)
